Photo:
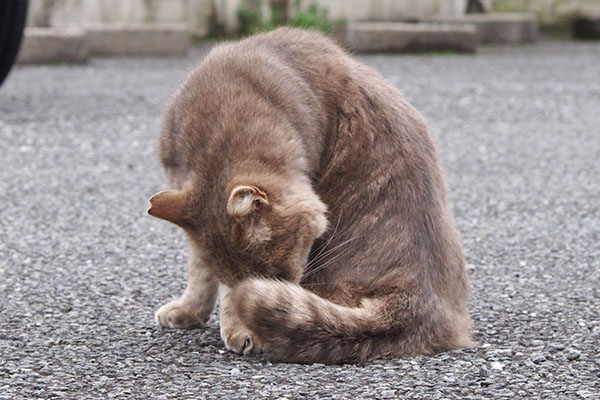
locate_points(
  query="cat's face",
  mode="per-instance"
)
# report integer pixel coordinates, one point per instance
(258, 230)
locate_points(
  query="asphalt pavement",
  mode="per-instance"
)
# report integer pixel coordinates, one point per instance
(82, 268)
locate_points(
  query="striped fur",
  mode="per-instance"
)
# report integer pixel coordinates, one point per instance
(296, 325)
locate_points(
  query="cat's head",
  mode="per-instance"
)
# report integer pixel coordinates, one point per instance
(254, 227)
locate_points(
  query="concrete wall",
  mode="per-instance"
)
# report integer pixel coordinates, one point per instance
(550, 11)
(390, 10)
(198, 15)
(207, 16)
(364, 10)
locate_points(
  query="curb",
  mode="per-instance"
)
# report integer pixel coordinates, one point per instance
(498, 27)
(138, 40)
(48, 45)
(368, 37)
(77, 45)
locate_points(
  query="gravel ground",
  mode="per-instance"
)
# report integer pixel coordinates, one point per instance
(82, 268)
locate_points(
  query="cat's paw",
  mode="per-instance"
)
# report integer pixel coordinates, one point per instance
(240, 341)
(178, 314)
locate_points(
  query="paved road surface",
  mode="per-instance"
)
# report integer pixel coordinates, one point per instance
(82, 269)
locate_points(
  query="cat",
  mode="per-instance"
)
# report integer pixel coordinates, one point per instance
(315, 207)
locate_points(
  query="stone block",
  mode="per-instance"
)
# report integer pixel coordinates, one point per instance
(498, 27)
(50, 45)
(138, 39)
(408, 37)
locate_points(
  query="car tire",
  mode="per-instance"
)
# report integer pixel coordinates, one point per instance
(13, 14)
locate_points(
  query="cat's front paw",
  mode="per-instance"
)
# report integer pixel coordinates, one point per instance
(240, 341)
(178, 314)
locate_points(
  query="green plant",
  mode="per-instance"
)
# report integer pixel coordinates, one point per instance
(251, 19)
(510, 5)
(313, 18)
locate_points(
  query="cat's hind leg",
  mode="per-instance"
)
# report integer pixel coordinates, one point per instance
(194, 307)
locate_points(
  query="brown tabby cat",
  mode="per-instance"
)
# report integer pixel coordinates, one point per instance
(268, 140)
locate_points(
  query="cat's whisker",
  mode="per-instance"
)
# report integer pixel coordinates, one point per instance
(324, 246)
(314, 261)
(316, 266)
(320, 254)
(308, 285)
(322, 266)
(328, 262)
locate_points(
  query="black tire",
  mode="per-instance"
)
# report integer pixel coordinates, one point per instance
(12, 23)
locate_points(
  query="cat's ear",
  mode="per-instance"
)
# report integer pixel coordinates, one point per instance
(170, 205)
(244, 200)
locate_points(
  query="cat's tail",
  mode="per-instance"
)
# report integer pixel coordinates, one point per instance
(296, 325)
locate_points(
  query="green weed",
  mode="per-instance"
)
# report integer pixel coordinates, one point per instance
(251, 18)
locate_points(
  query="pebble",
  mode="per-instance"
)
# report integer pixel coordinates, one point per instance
(538, 358)
(573, 354)
(557, 346)
(497, 366)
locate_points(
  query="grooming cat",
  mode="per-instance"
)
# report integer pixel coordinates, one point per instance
(314, 204)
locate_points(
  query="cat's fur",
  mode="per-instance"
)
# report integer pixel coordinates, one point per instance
(268, 140)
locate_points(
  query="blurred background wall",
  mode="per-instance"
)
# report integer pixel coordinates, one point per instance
(197, 14)
(208, 16)
(550, 11)
(205, 17)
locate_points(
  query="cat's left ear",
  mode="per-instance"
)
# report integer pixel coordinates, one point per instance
(244, 200)
(170, 205)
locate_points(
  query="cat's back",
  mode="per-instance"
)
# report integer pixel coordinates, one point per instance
(287, 76)
(272, 57)
(294, 46)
